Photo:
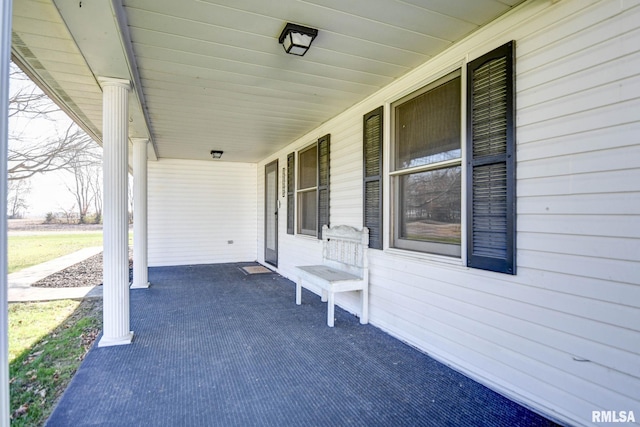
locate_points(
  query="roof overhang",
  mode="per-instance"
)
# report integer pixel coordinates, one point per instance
(211, 74)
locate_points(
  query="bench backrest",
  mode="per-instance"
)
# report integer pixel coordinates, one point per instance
(345, 248)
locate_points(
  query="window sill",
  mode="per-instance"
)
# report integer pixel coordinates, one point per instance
(440, 260)
(308, 237)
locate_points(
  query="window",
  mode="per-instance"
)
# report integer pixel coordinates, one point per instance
(313, 188)
(426, 165)
(427, 169)
(307, 190)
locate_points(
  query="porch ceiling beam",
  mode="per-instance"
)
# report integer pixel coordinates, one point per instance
(100, 31)
(125, 39)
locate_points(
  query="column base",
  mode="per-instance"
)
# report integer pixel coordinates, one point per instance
(137, 286)
(109, 342)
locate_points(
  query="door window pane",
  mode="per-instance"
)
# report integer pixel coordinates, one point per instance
(271, 208)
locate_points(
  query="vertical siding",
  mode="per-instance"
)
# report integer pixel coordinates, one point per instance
(197, 207)
(563, 335)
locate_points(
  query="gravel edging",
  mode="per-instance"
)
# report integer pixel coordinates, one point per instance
(84, 273)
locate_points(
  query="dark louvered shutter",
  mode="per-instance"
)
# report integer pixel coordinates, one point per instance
(491, 179)
(372, 185)
(323, 182)
(291, 189)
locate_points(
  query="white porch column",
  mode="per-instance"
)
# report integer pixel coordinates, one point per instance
(140, 264)
(5, 55)
(115, 124)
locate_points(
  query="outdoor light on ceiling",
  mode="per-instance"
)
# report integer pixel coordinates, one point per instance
(297, 39)
(216, 154)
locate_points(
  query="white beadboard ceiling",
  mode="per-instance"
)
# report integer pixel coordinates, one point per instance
(210, 74)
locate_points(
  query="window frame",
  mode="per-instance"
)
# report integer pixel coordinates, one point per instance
(322, 149)
(300, 191)
(427, 248)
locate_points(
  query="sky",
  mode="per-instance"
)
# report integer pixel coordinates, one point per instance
(48, 194)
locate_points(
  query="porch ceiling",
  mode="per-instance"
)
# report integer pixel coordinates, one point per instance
(210, 74)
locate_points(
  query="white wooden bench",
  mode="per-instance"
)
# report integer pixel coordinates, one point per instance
(344, 268)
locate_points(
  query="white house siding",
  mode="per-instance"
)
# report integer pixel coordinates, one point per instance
(196, 208)
(563, 335)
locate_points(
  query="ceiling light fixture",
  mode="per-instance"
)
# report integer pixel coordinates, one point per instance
(216, 154)
(296, 39)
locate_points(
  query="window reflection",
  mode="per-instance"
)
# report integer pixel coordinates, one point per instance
(430, 206)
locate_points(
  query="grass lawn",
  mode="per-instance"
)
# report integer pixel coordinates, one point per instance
(25, 251)
(47, 342)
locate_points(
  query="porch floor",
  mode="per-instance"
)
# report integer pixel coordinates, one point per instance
(215, 346)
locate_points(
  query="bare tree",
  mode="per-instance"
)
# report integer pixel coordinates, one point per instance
(26, 99)
(17, 203)
(29, 155)
(96, 189)
(69, 213)
(59, 152)
(84, 166)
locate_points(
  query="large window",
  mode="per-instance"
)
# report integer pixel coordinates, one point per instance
(427, 164)
(426, 168)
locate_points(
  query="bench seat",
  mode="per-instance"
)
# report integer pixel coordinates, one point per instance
(328, 274)
(344, 269)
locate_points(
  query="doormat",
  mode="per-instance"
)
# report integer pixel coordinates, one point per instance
(256, 269)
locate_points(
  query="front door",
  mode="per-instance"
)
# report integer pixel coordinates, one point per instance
(271, 213)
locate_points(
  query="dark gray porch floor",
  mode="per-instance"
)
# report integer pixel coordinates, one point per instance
(214, 346)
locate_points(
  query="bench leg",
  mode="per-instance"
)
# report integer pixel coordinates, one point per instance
(330, 310)
(298, 293)
(364, 310)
